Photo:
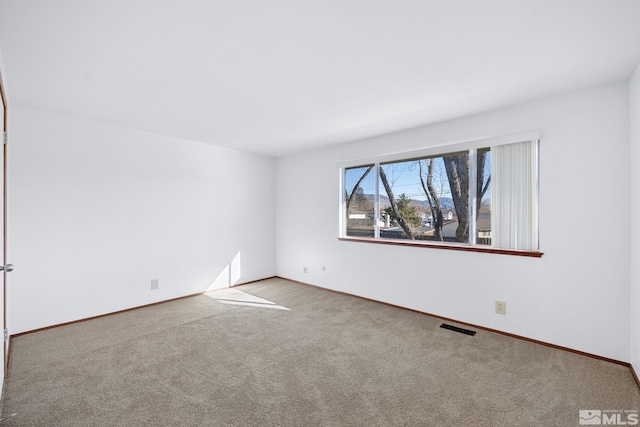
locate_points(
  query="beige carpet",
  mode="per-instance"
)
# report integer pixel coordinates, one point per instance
(278, 353)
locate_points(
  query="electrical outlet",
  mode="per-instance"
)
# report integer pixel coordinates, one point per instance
(155, 284)
(305, 269)
(501, 307)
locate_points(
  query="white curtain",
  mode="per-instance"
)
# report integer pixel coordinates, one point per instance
(514, 196)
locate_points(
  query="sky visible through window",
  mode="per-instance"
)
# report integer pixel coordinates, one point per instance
(404, 178)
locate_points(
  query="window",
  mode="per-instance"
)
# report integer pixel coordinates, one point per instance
(481, 194)
(360, 201)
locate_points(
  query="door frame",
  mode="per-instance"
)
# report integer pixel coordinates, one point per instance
(5, 105)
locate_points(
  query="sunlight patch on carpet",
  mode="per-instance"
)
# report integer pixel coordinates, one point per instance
(238, 297)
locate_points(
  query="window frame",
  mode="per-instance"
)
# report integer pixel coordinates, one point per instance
(440, 150)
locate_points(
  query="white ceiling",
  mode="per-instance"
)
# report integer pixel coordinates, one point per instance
(281, 76)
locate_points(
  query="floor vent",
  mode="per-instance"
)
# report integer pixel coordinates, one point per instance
(455, 328)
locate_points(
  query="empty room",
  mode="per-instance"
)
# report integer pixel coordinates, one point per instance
(320, 213)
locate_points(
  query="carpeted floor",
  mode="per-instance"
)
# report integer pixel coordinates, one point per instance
(279, 353)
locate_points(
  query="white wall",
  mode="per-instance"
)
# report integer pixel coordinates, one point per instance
(634, 98)
(97, 212)
(576, 295)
